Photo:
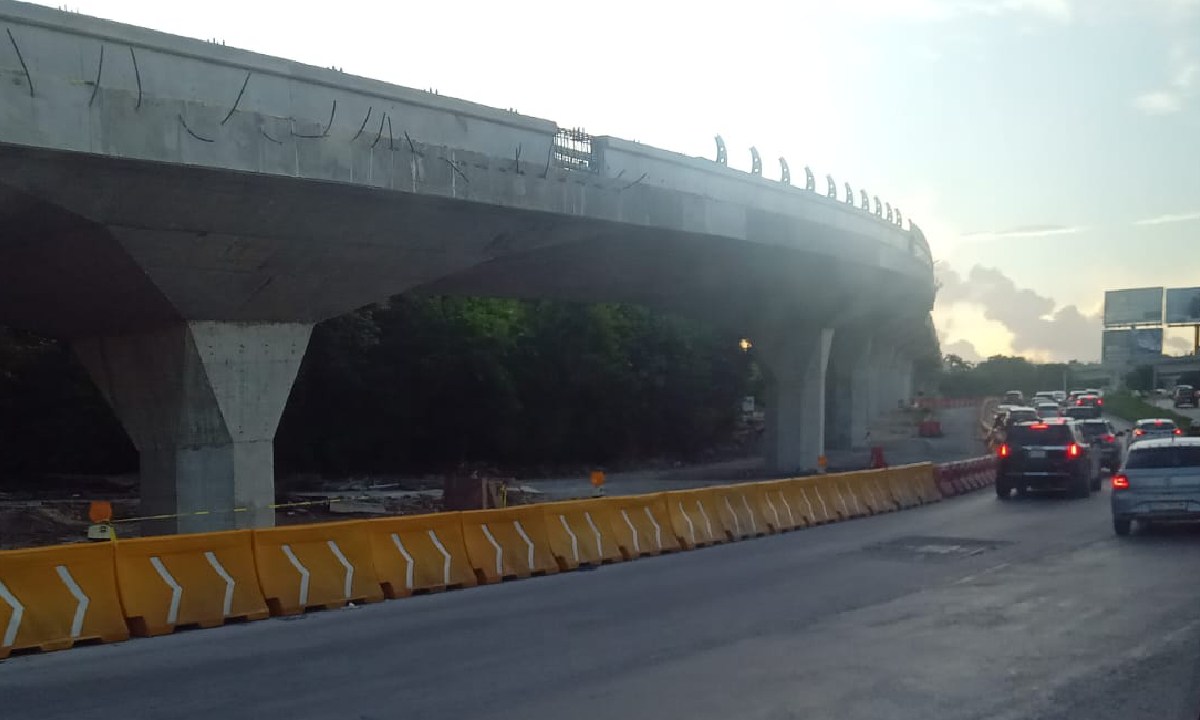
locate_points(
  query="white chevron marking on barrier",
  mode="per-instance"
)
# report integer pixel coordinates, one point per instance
(176, 590)
(637, 546)
(14, 621)
(408, 560)
(437, 543)
(499, 550)
(574, 541)
(528, 543)
(77, 592)
(227, 604)
(295, 561)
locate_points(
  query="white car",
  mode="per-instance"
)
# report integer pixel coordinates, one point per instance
(1048, 410)
(1153, 429)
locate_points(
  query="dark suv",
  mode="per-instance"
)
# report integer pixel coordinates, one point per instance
(1052, 455)
(1185, 395)
(1104, 440)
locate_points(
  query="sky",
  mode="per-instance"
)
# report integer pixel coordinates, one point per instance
(1049, 149)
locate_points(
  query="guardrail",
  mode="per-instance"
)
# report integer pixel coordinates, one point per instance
(56, 597)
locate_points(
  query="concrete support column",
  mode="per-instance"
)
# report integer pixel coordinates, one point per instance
(794, 365)
(201, 402)
(850, 388)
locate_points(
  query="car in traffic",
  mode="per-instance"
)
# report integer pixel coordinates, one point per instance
(1082, 412)
(1043, 396)
(1104, 439)
(1048, 410)
(1049, 455)
(1160, 481)
(1152, 429)
(1014, 397)
(1184, 396)
(1060, 396)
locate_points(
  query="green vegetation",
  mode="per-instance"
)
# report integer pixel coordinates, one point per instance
(422, 384)
(998, 374)
(1128, 407)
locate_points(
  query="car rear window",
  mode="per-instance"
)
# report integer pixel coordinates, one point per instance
(1022, 416)
(1093, 429)
(1077, 412)
(1164, 457)
(1040, 435)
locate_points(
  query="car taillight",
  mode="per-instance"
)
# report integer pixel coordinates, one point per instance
(1099, 401)
(1177, 431)
(1110, 438)
(1079, 403)
(1139, 431)
(1073, 450)
(1002, 451)
(1120, 482)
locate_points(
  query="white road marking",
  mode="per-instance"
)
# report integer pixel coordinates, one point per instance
(408, 559)
(227, 605)
(77, 592)
(176, 590)
(291, 556)
(14, 621)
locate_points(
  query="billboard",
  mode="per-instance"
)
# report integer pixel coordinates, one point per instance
(1142, 306)
(1131, 347)
(1183, 306)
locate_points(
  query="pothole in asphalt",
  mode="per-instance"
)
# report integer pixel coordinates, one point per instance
(923, 547)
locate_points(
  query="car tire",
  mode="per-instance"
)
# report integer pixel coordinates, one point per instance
(1096, 484)
(1121, 526)
(1003, 489)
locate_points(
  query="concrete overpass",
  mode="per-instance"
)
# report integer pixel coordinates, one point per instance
(184, 212)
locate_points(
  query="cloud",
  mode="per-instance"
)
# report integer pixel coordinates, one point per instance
(1178, 345)
(1184, 73)
(1170, 218)
(1039, 327)
(1159, 102)
(1024, 231)
(963, 349)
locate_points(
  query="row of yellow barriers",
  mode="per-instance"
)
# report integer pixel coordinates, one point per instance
(55, 597)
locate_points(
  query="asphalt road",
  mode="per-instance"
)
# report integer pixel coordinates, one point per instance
(971, 608)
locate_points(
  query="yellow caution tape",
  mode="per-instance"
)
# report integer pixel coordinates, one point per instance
(274, 506)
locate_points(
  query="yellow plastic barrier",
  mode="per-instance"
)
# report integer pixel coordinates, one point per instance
(54, 597)
(325, 565)
(839, 500)
(580, 532)
(419, 553)
(642, 525)
(776, 506)
(902, 491)
(924, 483)
(741, 511)
(695, 519)
(507, 543)
(882, 498)
(173, 580)
(807, 494)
